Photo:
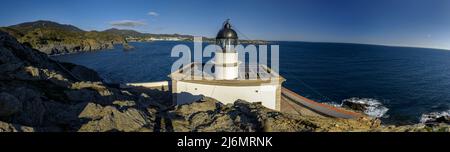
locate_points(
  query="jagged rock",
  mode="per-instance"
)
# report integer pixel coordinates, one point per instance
(9, 105)
(7, 56)
(371, 107)
(32, 71)
(111, 119)
(199, 115)
(127, 47)
(33, 110)
(243, 116)
(96, 86)
(20, 52)
(436, 117)
(64, 117)
(85, 74)
(10, 67)
(355, 106)
(83, 95)
(7, 127)
(91, 111)
(124, 103)
(210, 115)
(203, 105)
(43, 95)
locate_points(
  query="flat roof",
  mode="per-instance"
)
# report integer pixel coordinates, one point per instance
(248, 75)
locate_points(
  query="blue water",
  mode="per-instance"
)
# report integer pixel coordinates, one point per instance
(408, 81)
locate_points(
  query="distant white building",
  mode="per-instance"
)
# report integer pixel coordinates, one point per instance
(230, 81)
(165, 39)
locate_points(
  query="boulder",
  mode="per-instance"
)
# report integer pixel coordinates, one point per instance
(9, 105)
(85, 74)
(436, 117)
(109, 118)
(203, 105)
(7, 127)
(357, 106)
(95, 86)
(124, 103)
(242, 116)
(10, 67)
(127, 47)
(370, 107)
(83, 95)
(33, 109)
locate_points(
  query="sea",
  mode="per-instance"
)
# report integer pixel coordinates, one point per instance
(405, 82)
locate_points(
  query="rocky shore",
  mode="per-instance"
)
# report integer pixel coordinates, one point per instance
(38, 94)
(54, 38)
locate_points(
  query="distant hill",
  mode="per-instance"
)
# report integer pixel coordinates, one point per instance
(54, 38)
(132, 35)
(29, 26)
(125, 33)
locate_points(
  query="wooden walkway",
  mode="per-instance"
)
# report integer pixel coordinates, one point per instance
(294, 103)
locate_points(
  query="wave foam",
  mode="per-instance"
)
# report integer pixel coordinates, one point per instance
(436, 117)
(369, 106)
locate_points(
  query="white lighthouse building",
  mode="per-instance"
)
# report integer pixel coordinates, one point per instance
(230, 80)
(226, 60)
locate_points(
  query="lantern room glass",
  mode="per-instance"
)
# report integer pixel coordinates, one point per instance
(227, 44)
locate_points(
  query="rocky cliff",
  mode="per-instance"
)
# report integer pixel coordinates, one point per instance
(54, 38)
(39, 94)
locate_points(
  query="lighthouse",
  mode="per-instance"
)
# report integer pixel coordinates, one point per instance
(230, 80)
(226, 60)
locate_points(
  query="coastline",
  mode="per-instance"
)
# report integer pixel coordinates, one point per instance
(93, 97)
(55, 38)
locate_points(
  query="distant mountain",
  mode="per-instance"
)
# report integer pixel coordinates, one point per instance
(29, 26)
(125, 33)
(132, 35)
(54, 38)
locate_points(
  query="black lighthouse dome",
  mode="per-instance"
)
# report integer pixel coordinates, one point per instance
(227, 37)
(227, 32)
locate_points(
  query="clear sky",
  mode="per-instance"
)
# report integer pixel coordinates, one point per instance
(424, 23)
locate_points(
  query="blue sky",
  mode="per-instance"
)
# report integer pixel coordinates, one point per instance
(424, 23)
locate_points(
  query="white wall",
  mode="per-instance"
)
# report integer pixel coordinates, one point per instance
(226, 73)
(229, 58)
(189, 92)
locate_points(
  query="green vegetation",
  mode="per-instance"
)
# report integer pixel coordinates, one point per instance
(54, 38)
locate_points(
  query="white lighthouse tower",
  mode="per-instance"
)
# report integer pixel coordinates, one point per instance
(230, 79)
(226, 60)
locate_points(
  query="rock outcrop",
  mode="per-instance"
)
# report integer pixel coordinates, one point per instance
(9, 104)
(54, 38)
(436, 117)
(127, 47)
(371, 107)
(39, 94)
(208, 115)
